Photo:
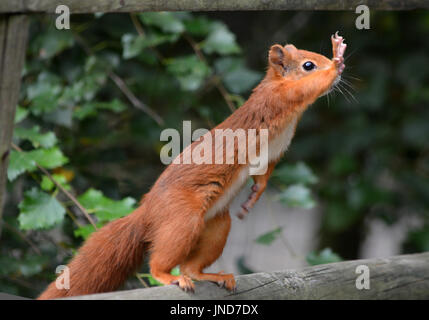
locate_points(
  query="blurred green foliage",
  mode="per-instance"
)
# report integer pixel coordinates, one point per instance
(357, 158)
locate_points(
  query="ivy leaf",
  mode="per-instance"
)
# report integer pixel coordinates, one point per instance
(339, 217)
(38, 139)
(19, 163)
(295, 173)
(31, 265)
(417, 240)
(153, 282)
(269, 237)
(235, 75)
(324, 256)
(47, 185)
(52, 42)
(169, 22)
(26, 161)
(86, 230)
(27, 266)
(105, 208)
(133, 45)
(198, 26)
(20, 114)
(220, 40)
(48, 158)
(88, 84)
(44, 93)
(189, 70)
(90, 109)
(297, 195)
(39, 210)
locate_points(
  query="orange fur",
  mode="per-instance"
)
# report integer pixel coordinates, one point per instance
(170, 222)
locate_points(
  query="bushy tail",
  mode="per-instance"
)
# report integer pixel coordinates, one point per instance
(106, 259)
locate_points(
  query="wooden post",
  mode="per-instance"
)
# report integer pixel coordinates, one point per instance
(398, 277)
(13, 42)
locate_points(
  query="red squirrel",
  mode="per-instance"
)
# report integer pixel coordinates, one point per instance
(184, 219)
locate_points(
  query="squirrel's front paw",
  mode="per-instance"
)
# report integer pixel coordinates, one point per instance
(338, 47)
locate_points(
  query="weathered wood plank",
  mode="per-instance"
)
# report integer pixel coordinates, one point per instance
(399, 277)
(13, 41)
(91, 6)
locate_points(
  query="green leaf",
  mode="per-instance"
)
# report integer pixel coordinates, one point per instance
(342, 164)
(86, 110)
(324, 256)
(49, 158)
(220, 40)
(198, 26)
(153, 282)
(269, 237)
(27, 266)
(189, 70)
(297, 195)
(39, 210)
(38, 139)
(105, 208)
(338, 217)
(169, 22)
(235, 75)
(242, 266)
(31, 265)
(19, 163)
(26, 161)
(90, 109)
(86, 230)
(133, 45)
(51, 42)
(417, 240)
(44, 93)
(295, 173)
(20, 114)
(48, 185)
(115, 105)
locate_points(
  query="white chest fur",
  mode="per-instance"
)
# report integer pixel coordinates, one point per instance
(228, 194)
(280, 144)
(276, 147)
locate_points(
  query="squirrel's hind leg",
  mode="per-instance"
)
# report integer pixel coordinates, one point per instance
(170, 247)
(208, 250)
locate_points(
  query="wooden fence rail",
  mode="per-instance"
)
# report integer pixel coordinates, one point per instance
(88, 6)
(398, 277)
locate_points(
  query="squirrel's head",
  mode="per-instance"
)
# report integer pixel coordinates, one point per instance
(290, 64)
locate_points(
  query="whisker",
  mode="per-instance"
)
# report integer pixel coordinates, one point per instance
(348, 84)
(339, 89)
(351, 76)
(350, 94)
(327, 97)
(350, 54)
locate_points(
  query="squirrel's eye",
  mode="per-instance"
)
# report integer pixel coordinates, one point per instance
(308, 66)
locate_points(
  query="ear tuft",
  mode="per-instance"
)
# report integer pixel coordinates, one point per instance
(277, 55)
(291, 48)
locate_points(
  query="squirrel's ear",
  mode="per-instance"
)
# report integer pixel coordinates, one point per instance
(291, 48)
(278, 57)
(276, 54)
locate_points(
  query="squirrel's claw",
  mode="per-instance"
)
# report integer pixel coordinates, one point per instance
(338, 48)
